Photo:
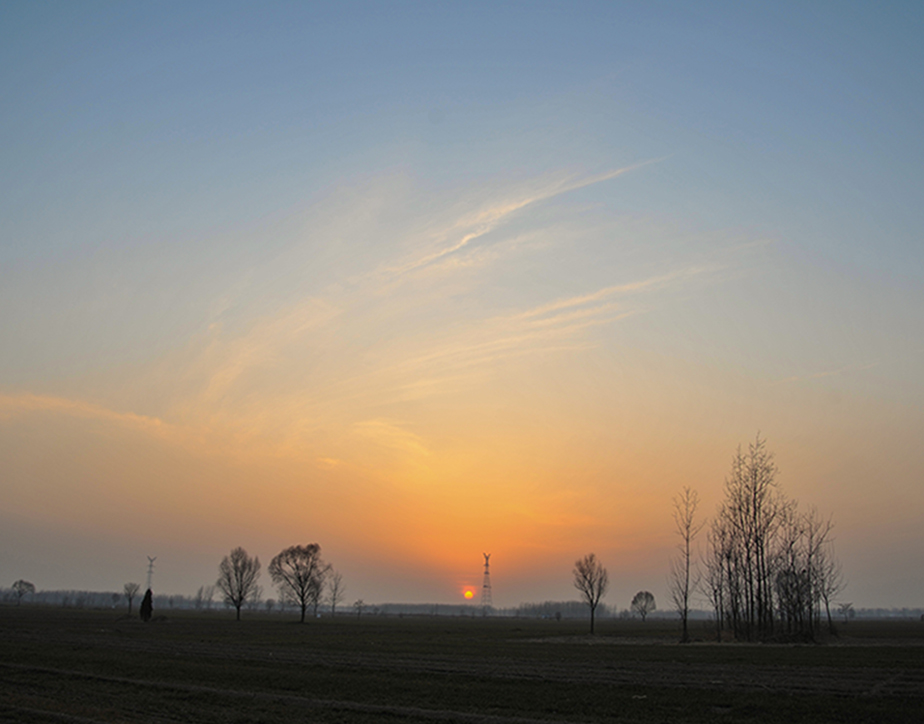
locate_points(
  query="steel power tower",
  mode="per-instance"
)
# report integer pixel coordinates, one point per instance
(150, 570)
(486, 586)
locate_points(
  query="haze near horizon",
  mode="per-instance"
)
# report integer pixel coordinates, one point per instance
(421, 281)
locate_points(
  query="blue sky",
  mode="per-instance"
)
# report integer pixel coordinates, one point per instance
(216, 214)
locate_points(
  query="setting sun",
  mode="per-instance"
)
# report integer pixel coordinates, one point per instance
(469, 594)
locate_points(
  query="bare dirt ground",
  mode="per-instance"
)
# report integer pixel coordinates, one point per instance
(210, 670)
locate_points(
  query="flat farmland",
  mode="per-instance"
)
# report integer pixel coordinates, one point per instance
(69, 665)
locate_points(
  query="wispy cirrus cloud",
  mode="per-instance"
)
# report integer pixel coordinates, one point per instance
(392, 435)
(345, 359)
(12, 405)
(648, 284)
(480, 223)
(846, 369)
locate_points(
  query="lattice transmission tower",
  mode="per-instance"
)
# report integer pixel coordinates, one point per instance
(150, 571)
(486, 602)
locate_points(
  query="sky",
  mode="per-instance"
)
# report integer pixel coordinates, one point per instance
(422, 281)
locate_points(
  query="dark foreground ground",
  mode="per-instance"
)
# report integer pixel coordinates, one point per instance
(66, 665)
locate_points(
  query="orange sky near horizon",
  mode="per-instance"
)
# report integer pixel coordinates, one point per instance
(267, 280)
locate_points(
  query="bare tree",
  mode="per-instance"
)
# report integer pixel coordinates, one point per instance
(358, 606)
(684, 579)
(204, 597)
(770, 569)
(829, 579)
(299, 572)
(643, 603)
(714, 582)
(131, 590)
(254, 599)
(237, 578)
(336, 591)
(591, 580)
(808, 574)
(21, 588)
(747, 526)
(846, 610)
(316, 592)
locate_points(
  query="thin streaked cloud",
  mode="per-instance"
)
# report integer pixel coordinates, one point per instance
(846, 369)
(482, 222)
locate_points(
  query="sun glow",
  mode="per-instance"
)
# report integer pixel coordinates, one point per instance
(469, 594)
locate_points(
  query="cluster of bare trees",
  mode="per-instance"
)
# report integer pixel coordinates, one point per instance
(299, 573)
(770, 569)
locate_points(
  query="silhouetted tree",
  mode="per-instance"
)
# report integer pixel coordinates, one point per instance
(829, 577)
(147, 606)
(770, 569)
(643, 603)
(21, 588)
(808, 575)
(747, 527)
(358, 606)
(131, 590)
(336, 591)
(237, 578)
(683, 577)
(591, 579)
(299, 572)
(316, 592)
(204, 597)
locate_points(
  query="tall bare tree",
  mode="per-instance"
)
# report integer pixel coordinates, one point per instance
(131, 590)
(299, 573)
(750, 519)
(769, 568)
(684, 579)
(808, 575)
(336, 591)
(237, 578)
(715, 583)
(591, 580)
(830, 580)
(204, 597)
